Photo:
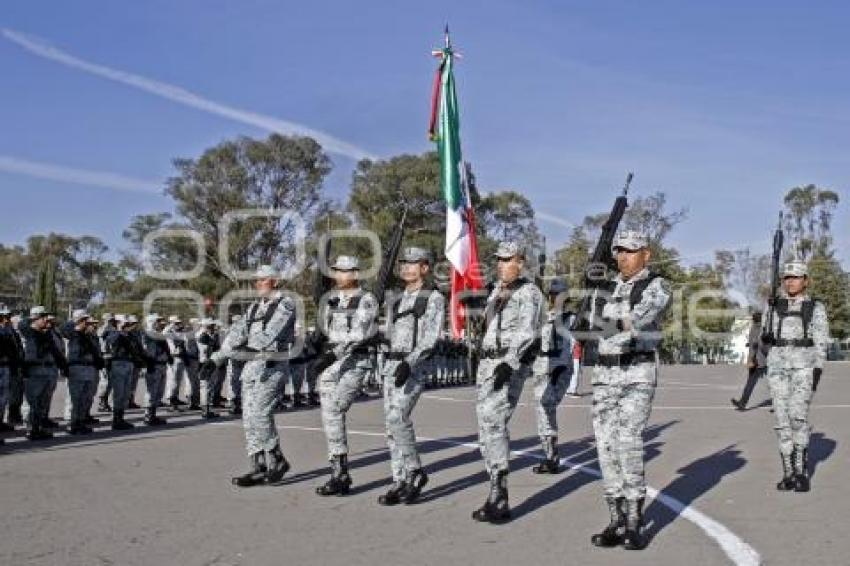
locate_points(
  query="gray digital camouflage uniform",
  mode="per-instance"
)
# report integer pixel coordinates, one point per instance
(158, 358)
(622, 394)
(514, 318)
(339, 384)
(399, 402)
(40, 370)
(261, 339)
(790, 371)
(82, 352)
(555, 357)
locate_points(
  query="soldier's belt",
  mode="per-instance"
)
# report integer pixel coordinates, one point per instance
(797, 343)
(491, 353)
(627, 359)
(40, 364)
(396, 356)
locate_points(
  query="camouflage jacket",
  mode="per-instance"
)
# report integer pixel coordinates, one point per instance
(792, 329)
(513, 318)
(642, 318)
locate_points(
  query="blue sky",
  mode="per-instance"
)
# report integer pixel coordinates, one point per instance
(723, 105)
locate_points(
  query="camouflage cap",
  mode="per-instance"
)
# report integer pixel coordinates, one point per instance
(80, 314)
(631, 240)
(346, 263)
(38, 311)
(4, 310)
(414, 255)
(107, 316)
(266, 272)
(508, 249)
(130, 319)
(795, 269)
(174, 318)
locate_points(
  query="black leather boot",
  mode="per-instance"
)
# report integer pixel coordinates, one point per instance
(633, 538)
(277, 465)
(340, 481)
(787, 482)
(313, 399)
(413, 486)
(236, 407)
(552, 464)
(151, 419)
(256, 471)
(103, 406)
(393, 494)
(118, 422)
(495, 509)
(208, 413)
(801, 470)
(612, 535)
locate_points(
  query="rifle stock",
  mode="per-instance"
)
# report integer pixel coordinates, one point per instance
(778, 241)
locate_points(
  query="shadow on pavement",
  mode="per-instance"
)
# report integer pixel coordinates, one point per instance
(696, 479)
(820, 449)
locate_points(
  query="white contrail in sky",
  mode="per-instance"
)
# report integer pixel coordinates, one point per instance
(78, 176)
(183, 96)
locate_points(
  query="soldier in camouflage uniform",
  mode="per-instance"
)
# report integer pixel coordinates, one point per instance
(84, 363)
(234, 374)
(158, 359)
(175, 336)
(262, 339)
(208, 345)
(42, 362)
(798, 338)
(348, 320)
(624, 381)
(193, 364)
(10, 361)
(514, 316)
(104, 387)
(16, 383)
(414, 323)
(551, 375)
(126, 353)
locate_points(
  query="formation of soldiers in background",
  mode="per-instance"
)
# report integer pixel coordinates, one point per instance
(525, 335)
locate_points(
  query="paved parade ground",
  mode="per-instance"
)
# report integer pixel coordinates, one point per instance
(163, 496)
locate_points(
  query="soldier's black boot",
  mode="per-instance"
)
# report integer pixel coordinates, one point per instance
(208, 413)
(15, 416)
(118, 422)
(340, 481)
(417, 480)
(236, 407)
(633, 538)
(256, 471)
(495, 509)
(49, 423)
(74, 428)
(277, 465)
(36, 432)
(5, 427)
(313, 399)
(103, 406)
(393, 494)
(801, 470)
(551, 465)
(298, 400)
(90, 420)
(151, 419)
(131, 404)
(787, 482)
(612, 535)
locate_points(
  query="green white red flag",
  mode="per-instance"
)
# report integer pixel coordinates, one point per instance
(461, 246)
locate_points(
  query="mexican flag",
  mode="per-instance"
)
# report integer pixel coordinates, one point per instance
(461, 247)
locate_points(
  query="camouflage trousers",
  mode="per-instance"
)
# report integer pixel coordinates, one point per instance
(121, 380)
(192, 368)
(16, 391)
(208, 387)
(5, 382)
(154, 385)
(81, 385)
(176, 375)
(259, 398)
(234, 372)
(38, 387)
(621, 410)
(399, 403)
(791, 390)
(547, 397)
(339, 386)
(494, 409)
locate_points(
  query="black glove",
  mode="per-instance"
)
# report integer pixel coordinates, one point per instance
(402, 373)
(324, 361)
(502, 375)
(816, 374)
(556, 374)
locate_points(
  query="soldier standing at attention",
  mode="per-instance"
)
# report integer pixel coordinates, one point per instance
(84, 364)
(348, 319)
(158, 358)
(42, 360)
(624, 381)
(413, 327)
(513, 318)
(262, 339)
(798, 340)
(551, 371)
